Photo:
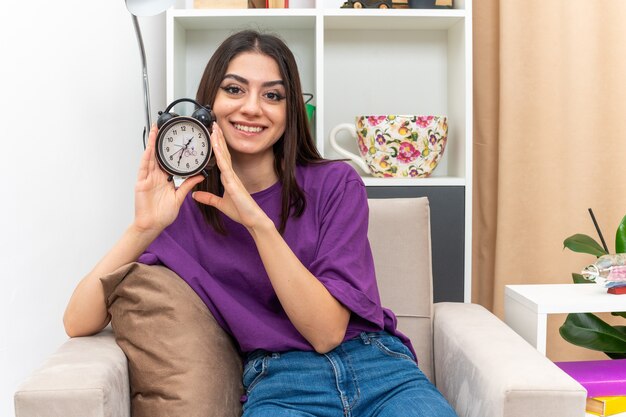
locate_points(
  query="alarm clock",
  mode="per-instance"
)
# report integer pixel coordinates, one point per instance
(183, 146)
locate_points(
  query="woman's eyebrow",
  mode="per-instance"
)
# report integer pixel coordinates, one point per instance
(242, 80)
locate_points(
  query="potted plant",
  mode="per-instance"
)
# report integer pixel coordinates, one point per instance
(586, 329)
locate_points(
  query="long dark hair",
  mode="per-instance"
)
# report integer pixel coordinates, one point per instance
(295, 147)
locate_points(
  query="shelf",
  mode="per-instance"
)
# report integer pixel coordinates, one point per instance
(424, 74)
(394, 20)
(220, 19)
(340, 19)
(413, 13)
(414, 182)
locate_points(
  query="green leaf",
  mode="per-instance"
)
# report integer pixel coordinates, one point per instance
(621, 329)
(612, 355)
(619, 314)
(580, 279)
(584, 244)
(620, 237)
(589, 331)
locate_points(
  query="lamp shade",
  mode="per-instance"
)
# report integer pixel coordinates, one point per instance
(148, 7)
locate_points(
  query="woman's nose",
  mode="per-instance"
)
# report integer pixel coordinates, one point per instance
(251, 105)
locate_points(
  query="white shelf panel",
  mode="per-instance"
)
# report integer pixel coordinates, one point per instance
(328, 5)
(347, 19)
(212, 19)
(344, 19)
(414, 182)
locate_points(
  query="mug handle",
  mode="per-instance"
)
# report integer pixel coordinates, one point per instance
(354, 158)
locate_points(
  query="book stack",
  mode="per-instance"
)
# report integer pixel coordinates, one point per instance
(605, 382)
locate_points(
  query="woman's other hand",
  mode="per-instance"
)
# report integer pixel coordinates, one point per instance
(237, 203)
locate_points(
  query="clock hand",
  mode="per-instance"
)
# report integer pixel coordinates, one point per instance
(185, 148)
(181, 150)
(181, 154)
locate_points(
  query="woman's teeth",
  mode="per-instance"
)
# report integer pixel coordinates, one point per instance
(249, 129)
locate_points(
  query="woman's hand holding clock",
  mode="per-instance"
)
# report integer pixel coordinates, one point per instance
(157, 202)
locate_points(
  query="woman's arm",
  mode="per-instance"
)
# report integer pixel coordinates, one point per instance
(316, 314)
(156, 206)
(86, 312)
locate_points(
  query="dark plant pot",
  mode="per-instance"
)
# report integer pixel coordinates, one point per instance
(425, 4)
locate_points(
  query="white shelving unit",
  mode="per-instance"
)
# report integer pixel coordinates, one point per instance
(356, 61)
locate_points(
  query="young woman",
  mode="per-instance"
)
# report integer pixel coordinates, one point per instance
(274, 241)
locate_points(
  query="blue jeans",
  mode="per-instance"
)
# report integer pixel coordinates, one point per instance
(373, 375)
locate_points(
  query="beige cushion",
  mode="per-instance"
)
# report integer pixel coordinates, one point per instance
(181, 363)
(399, 233)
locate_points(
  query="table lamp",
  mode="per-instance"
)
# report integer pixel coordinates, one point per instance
(145, 8)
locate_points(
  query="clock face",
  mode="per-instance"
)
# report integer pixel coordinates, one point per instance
(182, 146)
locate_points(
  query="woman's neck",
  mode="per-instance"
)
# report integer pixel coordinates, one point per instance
(256, 173)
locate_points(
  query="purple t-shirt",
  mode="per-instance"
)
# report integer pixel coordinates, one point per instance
(330, 239)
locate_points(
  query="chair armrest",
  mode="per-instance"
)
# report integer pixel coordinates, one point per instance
(85, 377)
(485, 369)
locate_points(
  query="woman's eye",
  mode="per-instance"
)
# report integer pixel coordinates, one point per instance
(232, 89)
(273, 96)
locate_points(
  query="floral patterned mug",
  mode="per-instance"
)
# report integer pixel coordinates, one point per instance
(394, 145)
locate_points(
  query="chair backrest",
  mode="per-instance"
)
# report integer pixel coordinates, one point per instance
(399, 234)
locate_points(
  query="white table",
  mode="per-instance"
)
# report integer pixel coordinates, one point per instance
(526, 307)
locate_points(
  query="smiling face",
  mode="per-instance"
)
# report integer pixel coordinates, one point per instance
(250, 105)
